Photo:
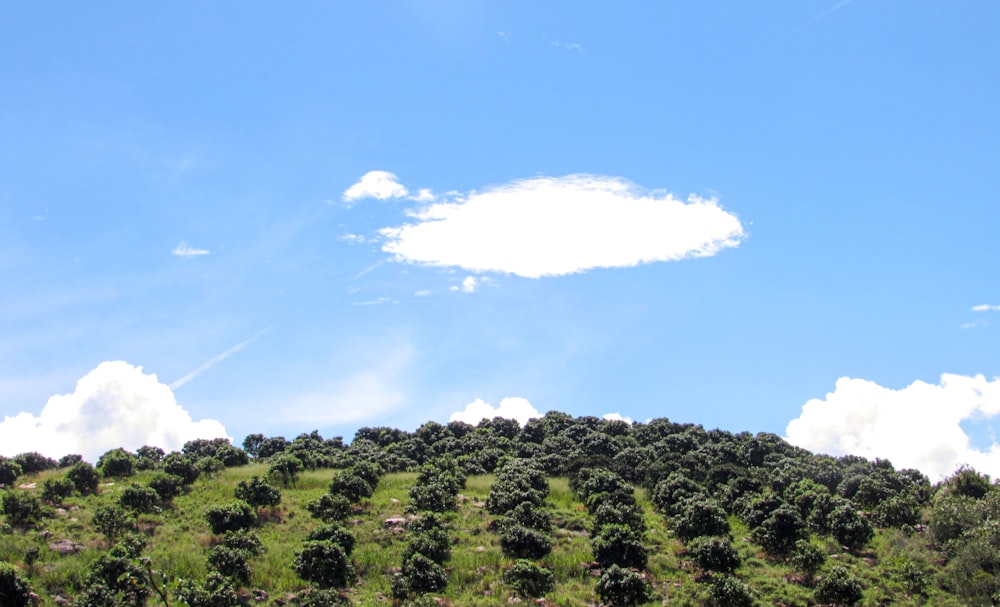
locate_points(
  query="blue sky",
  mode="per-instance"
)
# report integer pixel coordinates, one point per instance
(345, 214)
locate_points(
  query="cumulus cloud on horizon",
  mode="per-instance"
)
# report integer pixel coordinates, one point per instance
(918, 426)
(115, 405)
(553, 226)
(513, 407)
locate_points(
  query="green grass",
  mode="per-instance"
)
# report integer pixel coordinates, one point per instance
(179, 538)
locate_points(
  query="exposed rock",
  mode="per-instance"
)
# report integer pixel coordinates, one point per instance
(395, 522)
(66, 547)
(27, 485)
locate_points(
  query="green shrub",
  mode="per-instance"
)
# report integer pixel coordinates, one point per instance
(433, 497)
(529, 579)
(54, 491)
(623, 587)
(329, 508)
(115, 579)
(807, 558)
(839, 588)
(68, 460)
(243, 540)
(34, 461)
(618, 545)
(319, 597)
(22, 508)
(325, 564)
(181, 466)
(728, 591)
(112, 522)
(167, 486)
(14, 590)
(217, 591)
(522, 543)
(698, 517)
(778, 533)
(84, 477)
(139, 499)
(850, 528)
(230, 563)
(285, 469)
(117, 463)
(351, 486)
(715, 554)
(434, 544)
(9, 471)
(423, 575)
(231, 517)
(258, 492)
(336, 534)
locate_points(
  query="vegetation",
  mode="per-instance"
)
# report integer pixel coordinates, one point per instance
(564, 511)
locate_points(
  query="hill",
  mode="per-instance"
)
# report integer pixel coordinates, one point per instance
(564, 511)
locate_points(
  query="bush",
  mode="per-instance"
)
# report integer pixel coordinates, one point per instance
(839, 588)
(619, 545)
(528, 579)
(140, 500)
(216, 592)
(232, 517)
(68, 460)
(423, 575)
(698, 517)
(231, 456)
(807, 558)
(84, 477)
(778, 533)
(14, 590)
(434, 544)
(9, 471)
(167, 486)
(182, 467)
(209, 466)
(336, 534)
(316, 597)
(21, 508)
(628, 515)
(528, 515)
(329, 508)
(54, 491)
(117, 463)
(435, 497)
(258, 492)
(325, 564)
(522, 543)
(115, 579)
(715, 554)
(285, 469)
(245, 541)
(728, 591)
(623, 588)
(33, 462)
(850, 528)
(230, 562)
(351, 486)
(111, 521)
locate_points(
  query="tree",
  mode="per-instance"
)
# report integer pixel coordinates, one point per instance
(619, 545)
(285, 469)
(9, 471)
(167, 486)
(252, 443)
(528, 579)
(329, 508)
(111, 521)
(728, 591)
(22, 508)
(715, 554)
(84, 477)
(423, 575)
(54, 491)
(351, 486)
(68, 460)
(117, 463)
(620, 587)
(324, 563)
(34, 461)
(182, 467)
(850, 528)
(231, 517)
(139, 499)
(258, 492)
(13, 588)
(839, 588)
(779, 531)
(522, 543)
(699, 517)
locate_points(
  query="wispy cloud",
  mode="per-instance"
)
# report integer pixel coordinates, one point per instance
(986, 308)
(836, 7)
(368, 269)
(471, 284)
(183, 250)
(221, 357)
(378, 301)
(974, 324)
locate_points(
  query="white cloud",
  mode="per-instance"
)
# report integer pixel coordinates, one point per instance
(979, 322)
(115, 405)
(183, 250)
(616, 417)
(513, 407)
(985, 308)
(381, 185)
(915, 427)
(422, 293)
(352, 238)
(551, 226)
(469, 285)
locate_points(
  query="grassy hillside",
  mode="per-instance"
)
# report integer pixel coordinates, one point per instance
(179, 539)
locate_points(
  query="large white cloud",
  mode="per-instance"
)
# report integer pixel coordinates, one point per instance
(550, 226)
(115, 405)
(513, 407)
(915, 427)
